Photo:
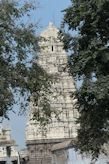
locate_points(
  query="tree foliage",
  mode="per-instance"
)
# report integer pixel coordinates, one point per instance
(19, 73)
(89, 62)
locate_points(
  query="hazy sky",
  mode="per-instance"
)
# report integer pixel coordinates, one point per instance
(50, 10)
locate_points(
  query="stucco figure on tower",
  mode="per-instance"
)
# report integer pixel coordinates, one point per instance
(53, 59)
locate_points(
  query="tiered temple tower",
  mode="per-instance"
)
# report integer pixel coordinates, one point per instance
(53, 59)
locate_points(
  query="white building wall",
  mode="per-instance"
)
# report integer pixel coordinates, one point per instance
(54, 60)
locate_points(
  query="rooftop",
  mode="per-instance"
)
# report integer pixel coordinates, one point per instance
(50, 31)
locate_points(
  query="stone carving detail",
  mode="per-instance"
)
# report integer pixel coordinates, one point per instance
(5, 140)
(53, 59)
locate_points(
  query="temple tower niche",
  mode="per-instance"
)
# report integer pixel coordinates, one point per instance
(53, 59)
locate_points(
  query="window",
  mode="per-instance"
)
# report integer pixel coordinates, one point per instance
(52, 48)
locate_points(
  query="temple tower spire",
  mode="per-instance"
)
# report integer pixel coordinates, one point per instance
(54, 60)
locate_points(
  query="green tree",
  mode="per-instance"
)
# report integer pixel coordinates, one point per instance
(20, 75)
(89, 62)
